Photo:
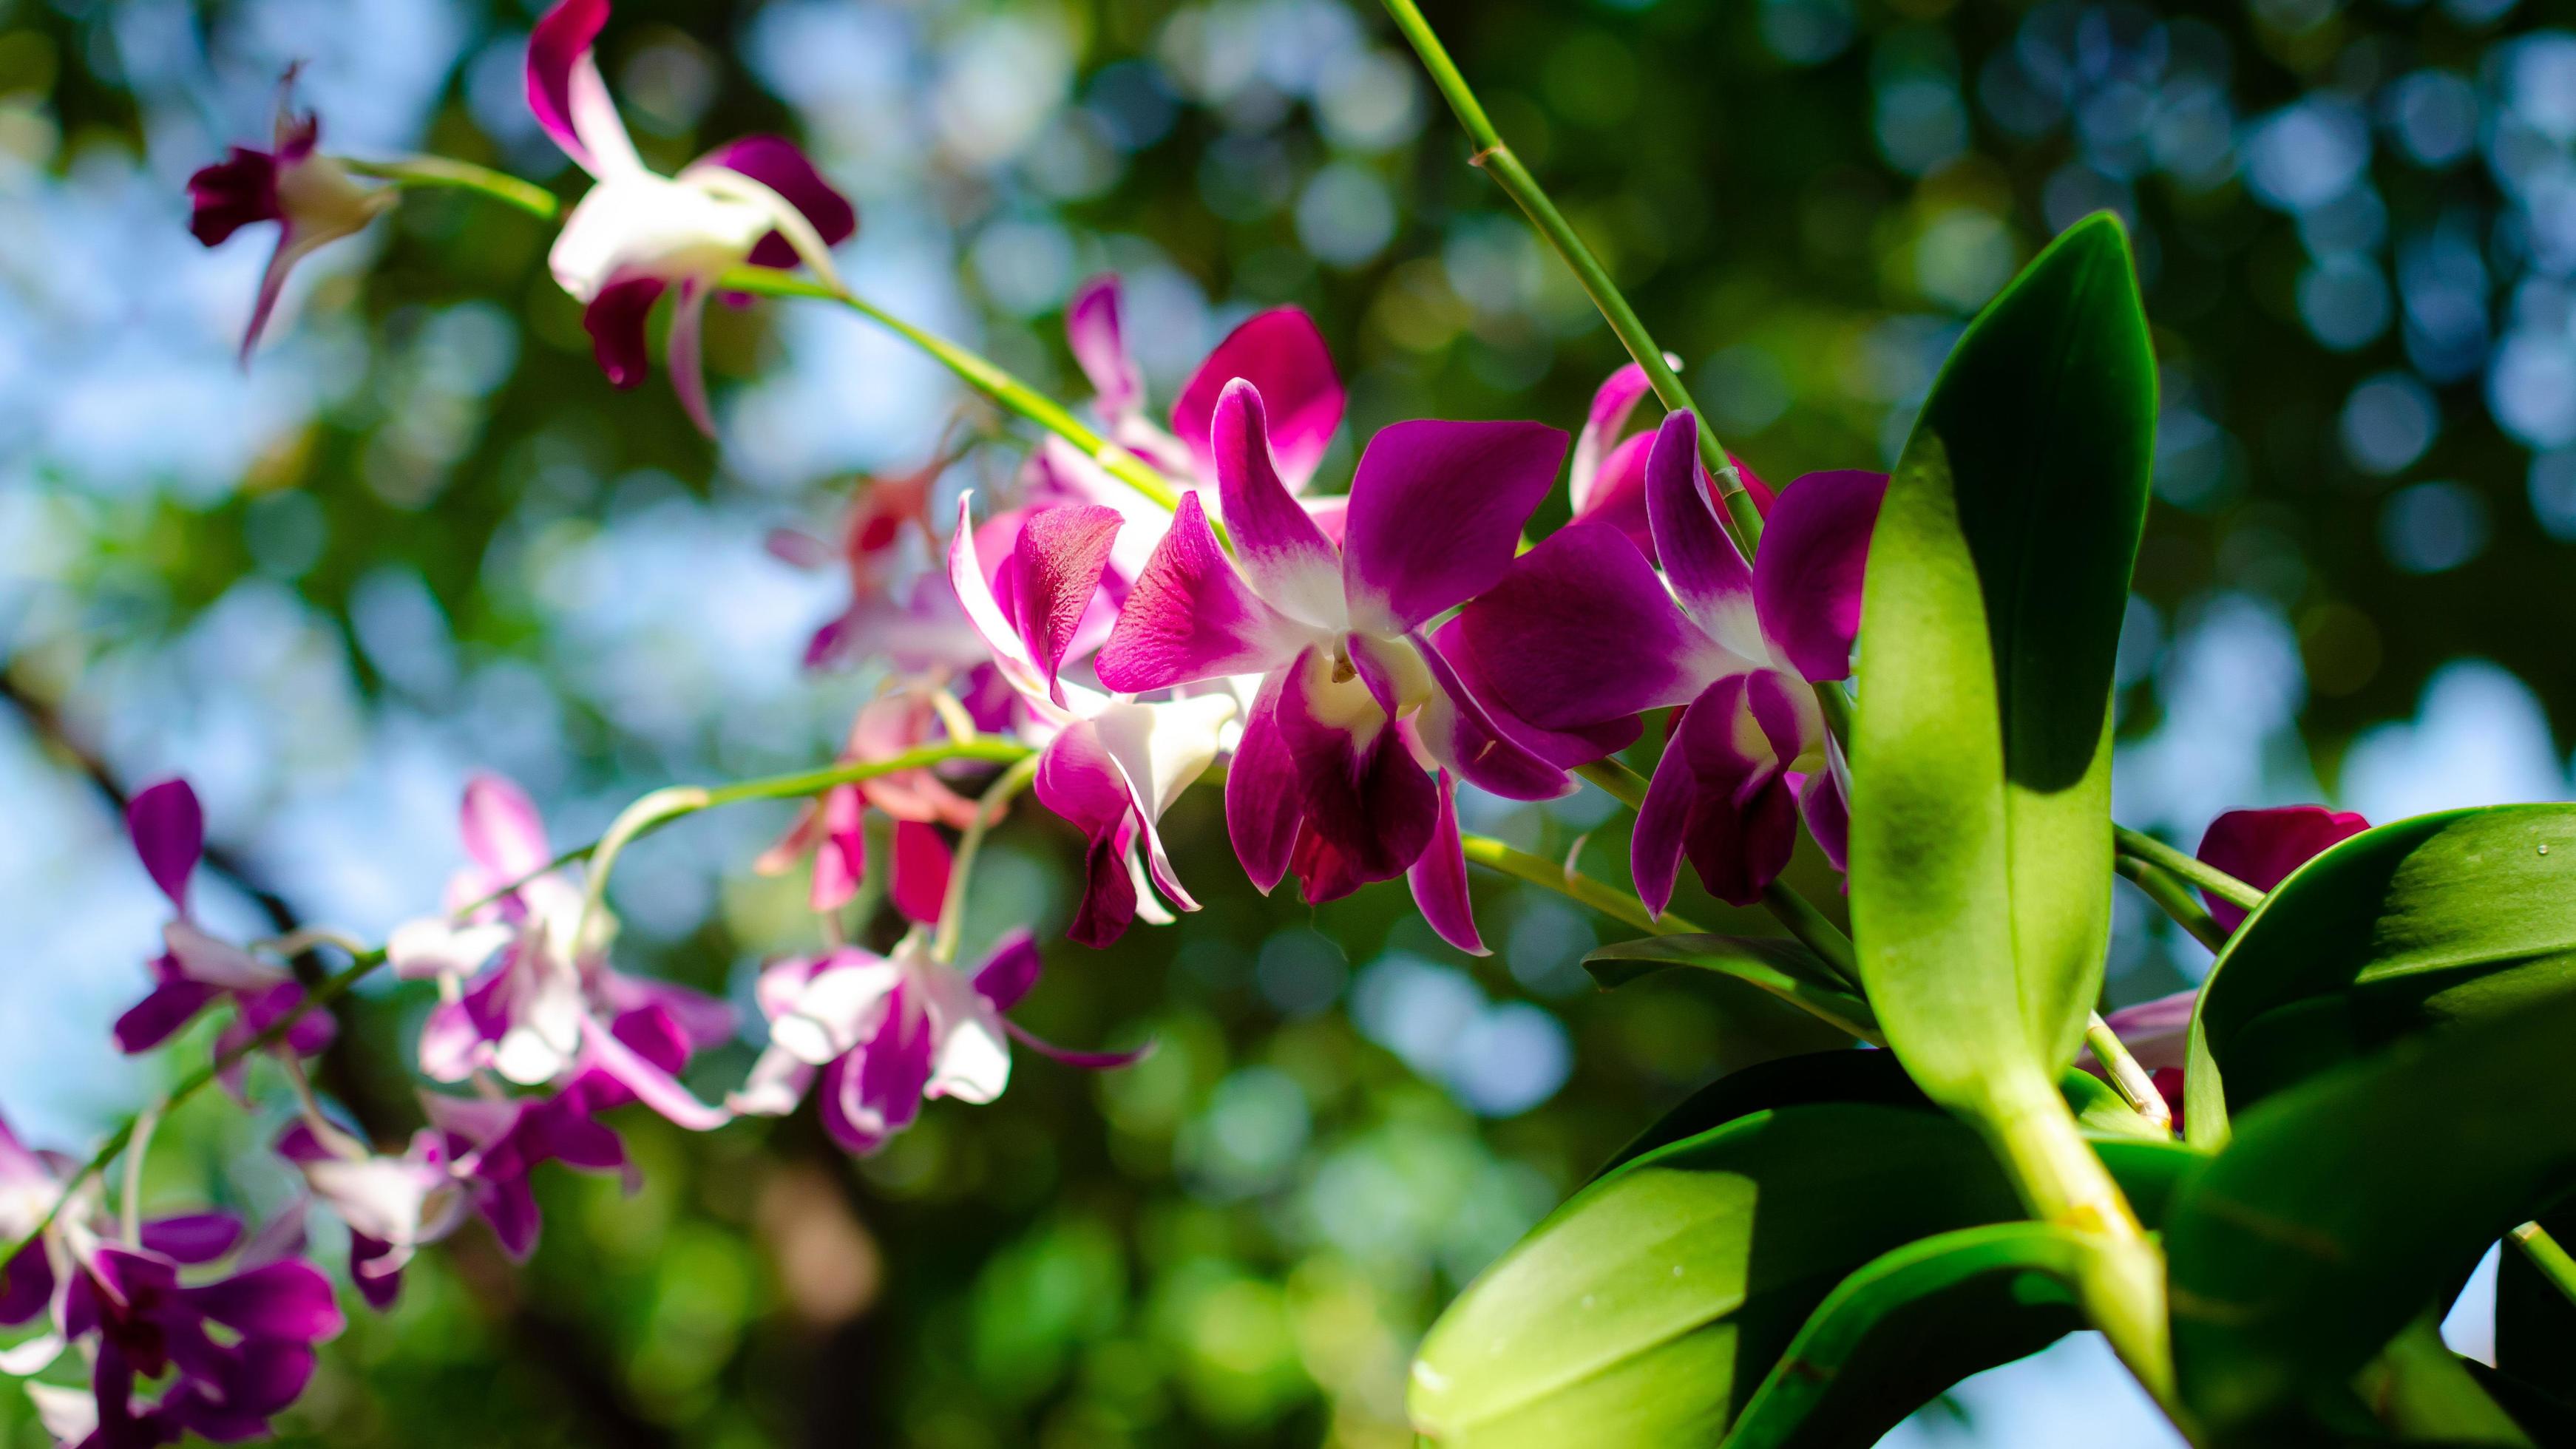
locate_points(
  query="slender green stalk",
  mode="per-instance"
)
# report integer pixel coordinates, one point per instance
(2130, 1080)
(1575, 886)
(2548, 1255)
(988, 813)
(502, 187)
(1497, 160)
(2137, 845)
(2173, 898)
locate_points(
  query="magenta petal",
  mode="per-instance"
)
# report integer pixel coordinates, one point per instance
(1828, 814)
(1054, 571)
(1190, 616)
(1618, 495)
(1709, 576)
(875, 1092)
(1369, 807)
(783, 167)
(1580, 630)
(1563, 749)
(1261, 815)
(2158, 1032)
(1091, 327)
(1460, 733)
(26, 1286)
(921, 867)
(1439, 878)
(503, 832)
(1807, 577)
(193, 1237)
(1088, 1061)
(655, 1035)
(1436, 512)
(289, 1300)
(688, 354)
(557, 47)
(1283, 555)
(169, 831)
(1663, 824)
(1612, 404)
(2262, 847)
(1079, 781)
(841, 856)
(1281, 353)
(1009, 972)
(159, 1015)
(233, 193)
(615, 321)
(1744, 820)
(652, 1086)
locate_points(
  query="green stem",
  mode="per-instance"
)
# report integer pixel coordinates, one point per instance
(502, 187)
(1575, 886)
(2129, 1079)
(2547, 1255)
(2140, 846)
(988, 811)
(2173, 898)
(1497, 160)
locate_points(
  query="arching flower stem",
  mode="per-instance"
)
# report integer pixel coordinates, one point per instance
(970, 843)
(2138, 845)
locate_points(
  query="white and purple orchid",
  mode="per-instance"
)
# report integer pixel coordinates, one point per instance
(1325, 781)
(638, 233)
(393, 1206)
(1112, 764)
(312, 198)
(1582, 629)
(195, 969)
(885, 1033)
(550, 1008)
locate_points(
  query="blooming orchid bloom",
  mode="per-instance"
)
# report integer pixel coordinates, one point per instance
(1112, 764)
(1608, 477)
(312, 198)
(2262, 847)
(885, 1033)
(1279, 351)
(1325, 780)
(493, 1146)
(638, 233)
(1582, 629)
(195, 969)
(833, 829)
(550, 1008)
(393, 1206)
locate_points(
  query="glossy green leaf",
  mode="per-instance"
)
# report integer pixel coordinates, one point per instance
(1908, 1325)
(1775, 964)
(1981, 834)
(2346, 1204)
(2459, 917)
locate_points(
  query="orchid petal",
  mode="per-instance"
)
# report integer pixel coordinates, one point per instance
(1826, 807)
(1088, 1061)
(922, 864)
(652, 1086)
(1369, 808)
(434, 946)
(565, 90)
(503, 832)
(1708, 575)
(614, 318)
(841, 1005)
(1261, 816)
(1091, 326)
(1282, 554)
(1439, 877)
(1619, 493)
(1190, 617)
(1159, 749)
(1580, 630)
(1612, 405)
(1011, 969)
(1807, 577)
(1283, 354)
(1663, 827)
(840, 852)
(1079, 782)
(238, 191)
(985, 614)
(169, 832)
(192, 1237)
(2157, 1033)
(778, 1082)
(162, 1013)
(783, 167)
(289, 1300)
(1465, 738)
(1055, 572)
(1563, 749)
(688, 353)
(971, 1058)
(1436, 510)
(219, 963)
(1744, 821)
(2262, 848)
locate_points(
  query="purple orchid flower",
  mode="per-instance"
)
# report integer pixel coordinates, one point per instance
(1608, 476)
(313, 199)
(1581, 629)
(2262, 847)
(195, 970)
(550, 1009)
(493, 1145)
(1112, 764)
(393, 1206)
(886, 1033)
(1325, 781)
(638, 233)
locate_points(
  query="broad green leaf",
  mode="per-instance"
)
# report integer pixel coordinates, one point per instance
(2345, 1205)
(2459, 917)
(1981, 833)
(1908, 1325)
(1776, 964)
(1874, 1078)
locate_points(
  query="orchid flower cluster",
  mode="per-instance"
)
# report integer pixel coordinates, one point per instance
(1156, 598)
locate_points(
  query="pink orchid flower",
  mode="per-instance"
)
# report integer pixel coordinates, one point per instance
(550, 1008)
(886, 1033)
(638, 233)
(1112, 764)
(1581, 629)
(195, 969)
(313, 199)
(883, 515)
(1325, 780)
(1608, 476)
(832, 830)
(393, 1206)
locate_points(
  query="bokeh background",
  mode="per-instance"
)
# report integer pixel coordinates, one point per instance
(421, 535)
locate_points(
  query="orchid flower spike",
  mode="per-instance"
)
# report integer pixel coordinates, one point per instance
(638, 233)
(313, 199)
(1325, 781)
(1608, 478)
(1112, 764)
(1582, 630)
(550, 1008)
(195, 969)
(885, 1033)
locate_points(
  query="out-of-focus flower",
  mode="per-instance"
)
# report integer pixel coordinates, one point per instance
(312, 198)
(492, 1145)
(1325, 780)
(884, 514)
(638, 233)
(1608, 477)
(195, 969)
(2262, 847)
(1581, 629)
(393, 1206)
(1112, 764)
(885, 1032)
(832, 830)
(550, 1008)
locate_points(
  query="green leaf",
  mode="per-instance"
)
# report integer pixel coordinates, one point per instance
(1998, 574)
(1776, 964)
(1908, 1325)
(1835, 1076)
(2454, 918)
(2347, 1204)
